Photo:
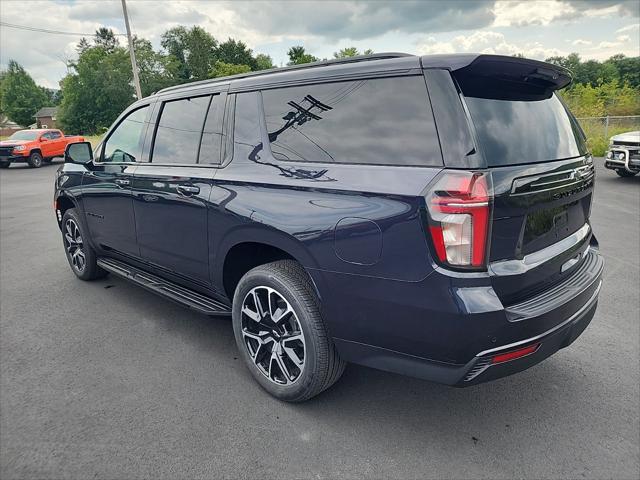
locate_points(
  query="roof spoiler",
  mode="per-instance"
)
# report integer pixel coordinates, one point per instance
(504, 78)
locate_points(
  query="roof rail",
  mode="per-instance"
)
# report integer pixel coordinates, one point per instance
(304, 66)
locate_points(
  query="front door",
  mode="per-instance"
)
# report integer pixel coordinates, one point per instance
(106, 187)
(171, 193)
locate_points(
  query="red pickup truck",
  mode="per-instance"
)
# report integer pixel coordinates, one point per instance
(35, 147)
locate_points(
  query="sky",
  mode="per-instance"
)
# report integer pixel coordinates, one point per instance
(596, 29)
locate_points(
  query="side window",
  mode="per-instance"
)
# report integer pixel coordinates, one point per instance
(125, 142)
(384, 121)
(179, 130)
(211, 143)
(54, 135)
(46, 135)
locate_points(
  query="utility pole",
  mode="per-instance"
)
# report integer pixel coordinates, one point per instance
(134, 65)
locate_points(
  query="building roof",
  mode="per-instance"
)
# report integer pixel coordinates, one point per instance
(46, 112)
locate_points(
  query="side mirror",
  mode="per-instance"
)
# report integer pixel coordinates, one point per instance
(79, 152)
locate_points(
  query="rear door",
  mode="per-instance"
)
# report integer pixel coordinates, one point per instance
(171, 192)
(541, 170)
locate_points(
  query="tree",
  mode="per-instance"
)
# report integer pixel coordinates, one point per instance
(628, 69)
(234, 52)
(155, 69)
(192, 50)
(104, 38)
(298, 55)
(263, 62)
(222, 69)
(97, 90)
(83, 45)
(21, 97)
(617, 68)
(346, 52)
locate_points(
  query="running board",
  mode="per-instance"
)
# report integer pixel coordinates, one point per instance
(166, 288)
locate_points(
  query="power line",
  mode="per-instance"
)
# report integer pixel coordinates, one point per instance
(56, 32)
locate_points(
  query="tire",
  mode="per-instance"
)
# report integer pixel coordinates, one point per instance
(35, 160)
(297, 339)
(625, 173)
(80, 255)
(5, 164)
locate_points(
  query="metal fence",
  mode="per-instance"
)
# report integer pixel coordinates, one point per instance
(606, 127)
(599, 129)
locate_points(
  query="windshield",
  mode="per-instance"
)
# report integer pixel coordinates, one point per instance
(24, 135)
(519, 131)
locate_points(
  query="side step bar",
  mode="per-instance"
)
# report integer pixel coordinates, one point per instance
(170, 290)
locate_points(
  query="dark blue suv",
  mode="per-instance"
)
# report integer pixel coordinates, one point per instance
(422, 215)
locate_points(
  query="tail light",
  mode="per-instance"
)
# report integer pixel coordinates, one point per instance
(459, 213)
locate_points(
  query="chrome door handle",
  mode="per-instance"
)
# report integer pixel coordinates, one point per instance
(121, 181)
(188, 189)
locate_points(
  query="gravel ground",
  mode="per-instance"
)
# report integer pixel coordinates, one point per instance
(107, 380)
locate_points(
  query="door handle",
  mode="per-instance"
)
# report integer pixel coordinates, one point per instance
(121, 181)
(188, 189)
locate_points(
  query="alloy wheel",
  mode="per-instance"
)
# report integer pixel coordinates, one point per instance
(74, 245)
(273, 335)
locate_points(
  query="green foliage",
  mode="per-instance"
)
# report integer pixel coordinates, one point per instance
(235, 52)
(97, 91)
(155, 69)
(222, 69)
(351, 52)
(263, 62)
(192, 51)
(105, 38)
(604, 99)
(21, 97)
(617, 68)
(298, 55)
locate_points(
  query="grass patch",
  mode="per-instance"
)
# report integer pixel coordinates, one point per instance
(93, 139)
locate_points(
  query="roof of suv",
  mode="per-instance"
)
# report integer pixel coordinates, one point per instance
(393, 62)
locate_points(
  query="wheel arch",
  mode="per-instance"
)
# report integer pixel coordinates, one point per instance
(63, 203)
(247, 248)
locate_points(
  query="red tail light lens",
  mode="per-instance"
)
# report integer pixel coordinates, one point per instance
(459, 213)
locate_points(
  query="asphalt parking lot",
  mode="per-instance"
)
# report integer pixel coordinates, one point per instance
(105, 379)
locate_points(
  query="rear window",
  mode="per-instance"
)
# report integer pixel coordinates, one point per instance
(524, 130)
(386, 121)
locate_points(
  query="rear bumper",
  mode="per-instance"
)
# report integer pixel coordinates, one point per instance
(452, 335)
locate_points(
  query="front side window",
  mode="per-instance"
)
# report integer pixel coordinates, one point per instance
(179, 130)
(384, 121)
(54, 135)
(124, 145)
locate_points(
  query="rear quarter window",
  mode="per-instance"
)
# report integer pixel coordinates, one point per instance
(385, 121)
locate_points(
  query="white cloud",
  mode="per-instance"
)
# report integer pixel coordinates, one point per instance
(607, 44)
(534, 12)
(629, 28)
(436, 26)
(488, 42)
